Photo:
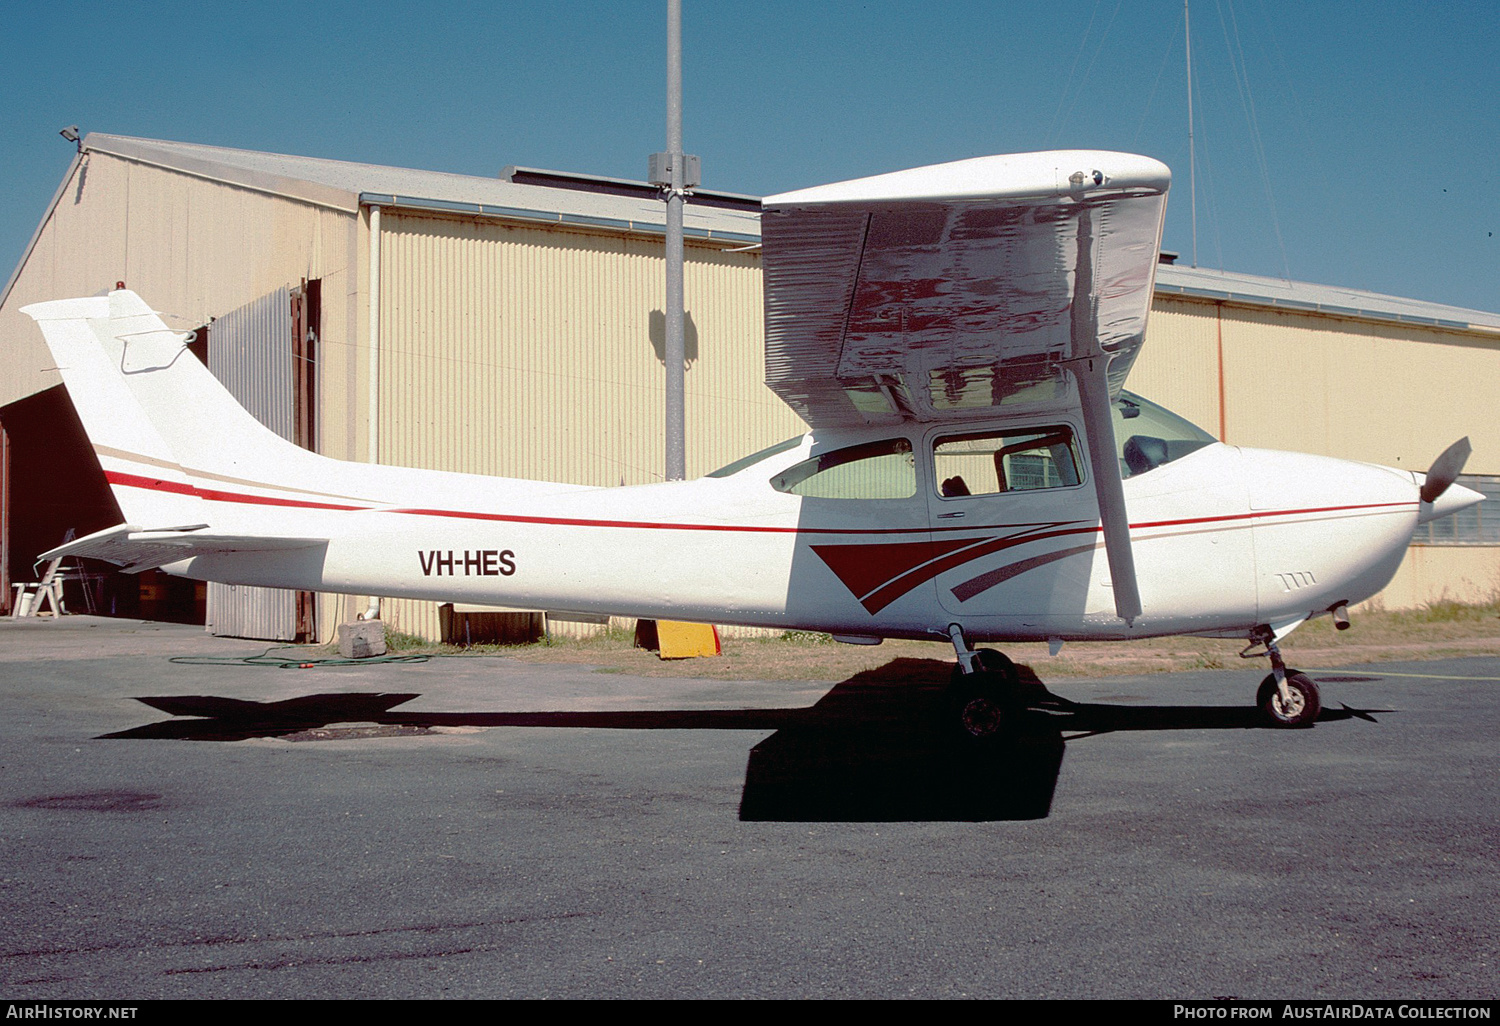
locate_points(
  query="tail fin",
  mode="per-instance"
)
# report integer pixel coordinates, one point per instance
(154, 414)
(142, 469)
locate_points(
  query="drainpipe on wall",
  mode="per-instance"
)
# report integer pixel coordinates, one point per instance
(1219, 342)
(372, 611)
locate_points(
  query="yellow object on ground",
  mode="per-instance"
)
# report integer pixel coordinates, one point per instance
(686, 640)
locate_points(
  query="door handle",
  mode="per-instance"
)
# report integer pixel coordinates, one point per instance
(951, 516)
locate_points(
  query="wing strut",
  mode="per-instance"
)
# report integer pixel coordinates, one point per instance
(1093, 390)
(1090, 366)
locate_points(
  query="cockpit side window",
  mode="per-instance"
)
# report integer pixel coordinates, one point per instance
(873, 470)
(1148, 435)
(1013, 461)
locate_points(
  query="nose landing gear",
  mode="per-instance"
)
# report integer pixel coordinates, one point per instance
(1299, 707)
(1288, 698)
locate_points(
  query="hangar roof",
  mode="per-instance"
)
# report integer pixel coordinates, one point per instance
(1256, 290)
(346, 185)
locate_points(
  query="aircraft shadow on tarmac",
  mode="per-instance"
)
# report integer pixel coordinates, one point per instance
(875, 748)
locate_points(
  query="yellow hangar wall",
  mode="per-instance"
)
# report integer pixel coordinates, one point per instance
(532, 352)
(1393, 394)
(197, 248)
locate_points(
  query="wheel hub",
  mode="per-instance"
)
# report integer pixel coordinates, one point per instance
(981, 717)
(1291, 706)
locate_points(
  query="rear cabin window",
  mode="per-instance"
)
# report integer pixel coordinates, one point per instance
(1016, 461)
(874, 470)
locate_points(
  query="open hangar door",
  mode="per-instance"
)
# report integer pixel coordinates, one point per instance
(52, 485)
(52, 488)
(265, 353)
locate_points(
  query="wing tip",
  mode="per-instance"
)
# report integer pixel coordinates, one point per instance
(1000, 176)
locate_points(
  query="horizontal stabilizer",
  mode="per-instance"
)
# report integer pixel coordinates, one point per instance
(134, 549)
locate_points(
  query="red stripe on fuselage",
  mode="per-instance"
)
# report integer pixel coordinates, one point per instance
(156, 484)
(216, 495)
(864, 567)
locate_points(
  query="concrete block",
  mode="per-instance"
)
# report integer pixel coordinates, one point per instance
(362, 639)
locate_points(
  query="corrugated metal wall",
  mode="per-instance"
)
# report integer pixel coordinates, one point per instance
(193, 248)
(250, 351)
(533, 353)
(1179, 364)
(1393, 394)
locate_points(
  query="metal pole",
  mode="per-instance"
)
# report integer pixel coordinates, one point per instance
(372, 611)
(676, 445)
(1187, 31)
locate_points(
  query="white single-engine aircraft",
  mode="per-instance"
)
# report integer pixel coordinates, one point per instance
(956, 336)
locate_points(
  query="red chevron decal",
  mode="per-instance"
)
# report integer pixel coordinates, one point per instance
(863, 568)
(986, 581)
(879, 574)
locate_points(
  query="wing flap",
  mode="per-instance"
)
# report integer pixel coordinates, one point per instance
(135, 550)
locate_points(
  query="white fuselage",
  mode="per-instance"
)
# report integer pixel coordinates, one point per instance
(1224, 538)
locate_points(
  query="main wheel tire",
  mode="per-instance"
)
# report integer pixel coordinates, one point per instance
(987, 660)
(1301, 711)
(978, 708)
(982, 704)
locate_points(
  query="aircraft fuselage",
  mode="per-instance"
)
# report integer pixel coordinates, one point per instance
(1224, 539)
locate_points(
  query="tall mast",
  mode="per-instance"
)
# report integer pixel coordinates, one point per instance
(676, 447)
(1187, 32)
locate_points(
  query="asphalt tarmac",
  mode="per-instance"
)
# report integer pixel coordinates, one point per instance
(487, 828)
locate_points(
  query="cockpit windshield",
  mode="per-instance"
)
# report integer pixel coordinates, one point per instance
(755, 457)
(1148, 435)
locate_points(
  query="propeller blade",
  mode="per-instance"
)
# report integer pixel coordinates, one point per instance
(1445, 469)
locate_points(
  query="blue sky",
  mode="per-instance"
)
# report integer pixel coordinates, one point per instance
(1342, 143)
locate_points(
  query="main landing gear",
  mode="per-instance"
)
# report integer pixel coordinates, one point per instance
(1288, 698)
(987, 693)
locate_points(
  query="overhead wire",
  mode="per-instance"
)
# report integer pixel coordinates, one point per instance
(1205, 159)
(1151, 97)
(1083, 83)
(1241, 74)
(1062, 97)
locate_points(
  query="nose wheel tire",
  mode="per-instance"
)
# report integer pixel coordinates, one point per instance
(1303, 708)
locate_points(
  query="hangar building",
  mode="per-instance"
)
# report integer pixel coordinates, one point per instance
(514, 326)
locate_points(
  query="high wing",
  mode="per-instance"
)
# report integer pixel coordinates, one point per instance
(945, 293)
